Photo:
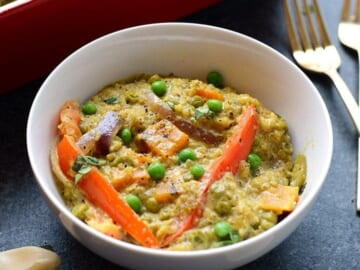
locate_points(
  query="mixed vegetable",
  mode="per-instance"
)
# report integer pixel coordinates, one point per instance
(167, 162)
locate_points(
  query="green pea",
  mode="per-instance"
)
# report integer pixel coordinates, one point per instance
(215, 78)
(126, 135)
(152, 205)
(156, 170)
(186, 154)
(159, 88)
(89, 108)
(254, 160)
(197, 171)
(215, 105)
(134, 202)
(222, 229)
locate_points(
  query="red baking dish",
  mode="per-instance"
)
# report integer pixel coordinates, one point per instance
(37, 34)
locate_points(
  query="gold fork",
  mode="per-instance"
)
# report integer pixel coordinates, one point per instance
(317, 53)
(349, 35)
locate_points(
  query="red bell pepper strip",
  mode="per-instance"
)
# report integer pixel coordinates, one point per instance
(102, 193)
(237, 148)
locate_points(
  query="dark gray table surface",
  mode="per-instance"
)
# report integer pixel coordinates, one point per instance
(328, 238)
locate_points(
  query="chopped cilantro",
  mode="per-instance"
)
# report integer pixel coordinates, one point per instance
(82, 166)
(111, 100)
(203, 112)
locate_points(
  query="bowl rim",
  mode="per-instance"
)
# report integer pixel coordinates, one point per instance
(13, 6)
(291, 218)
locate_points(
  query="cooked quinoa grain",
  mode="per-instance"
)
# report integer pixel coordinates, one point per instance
(162, 150)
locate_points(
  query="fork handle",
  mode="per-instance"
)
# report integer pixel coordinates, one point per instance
(353, 109)
(358, 169)
(347, 97)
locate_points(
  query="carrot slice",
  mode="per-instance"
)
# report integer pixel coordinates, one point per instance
(236, 148)
(70, 111)
(209, 93)
(282, 198)
(69, 128)
(102, 193)
(67, 151)
(99, 191)
(70, 117)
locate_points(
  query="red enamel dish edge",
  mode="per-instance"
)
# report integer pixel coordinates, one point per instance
(37, 34)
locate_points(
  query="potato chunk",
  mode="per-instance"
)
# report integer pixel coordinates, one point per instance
(164, 138)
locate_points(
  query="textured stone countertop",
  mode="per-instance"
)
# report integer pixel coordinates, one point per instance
(329, 236)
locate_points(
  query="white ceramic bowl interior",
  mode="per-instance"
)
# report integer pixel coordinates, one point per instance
(189, 50)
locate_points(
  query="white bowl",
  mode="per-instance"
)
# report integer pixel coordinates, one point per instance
(190, 50)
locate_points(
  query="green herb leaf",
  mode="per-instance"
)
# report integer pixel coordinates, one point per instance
(84, 169)
(198, 114)
(82, 166)
(204, 112)
(92, 160)
(233, 238)
(79, 162)
(78, 177)
(111, 100)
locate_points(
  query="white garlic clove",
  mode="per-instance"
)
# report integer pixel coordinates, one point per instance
(29, 258)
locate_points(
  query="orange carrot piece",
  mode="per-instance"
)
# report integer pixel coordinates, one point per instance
(282, 198)
(121, 178)
(70, 111)
(141, 176)
(102, 193)
(236, 148)
(69, 128)
(164, 138)
(67, 151)
(165, 192)
(209, 93)
(124, 178)
(143, 158)
(70, 117)
(99, 191)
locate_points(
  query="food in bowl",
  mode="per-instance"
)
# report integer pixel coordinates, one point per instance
(176, 163)
(4, 2)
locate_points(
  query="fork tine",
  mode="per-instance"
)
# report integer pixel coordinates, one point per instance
(324, 35)
(302, 30)
(310, 24)
(345, 14)
(357, 12)
(293, 36)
